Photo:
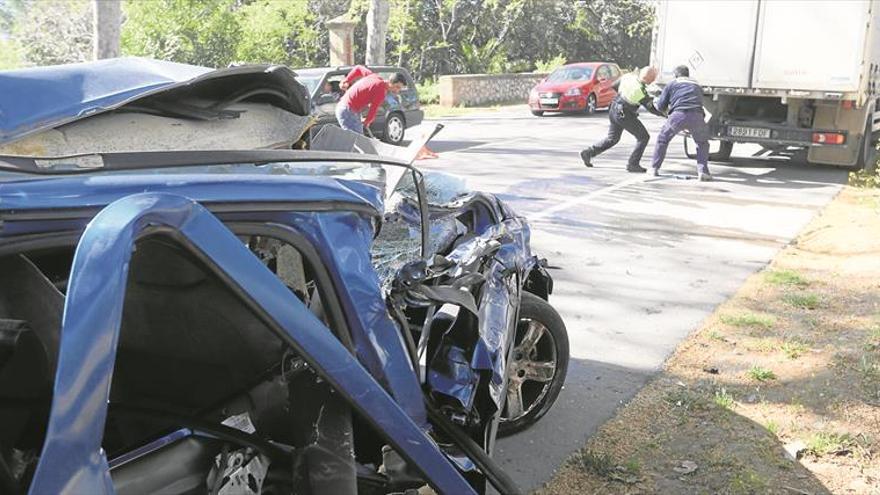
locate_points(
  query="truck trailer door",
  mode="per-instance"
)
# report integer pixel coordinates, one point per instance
(811, 46)
(715, 39)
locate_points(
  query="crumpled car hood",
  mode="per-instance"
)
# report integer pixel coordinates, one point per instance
(40, 98)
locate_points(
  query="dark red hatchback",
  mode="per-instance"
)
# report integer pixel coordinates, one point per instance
(581, 87)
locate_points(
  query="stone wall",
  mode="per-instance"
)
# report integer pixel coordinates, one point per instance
(487, 89)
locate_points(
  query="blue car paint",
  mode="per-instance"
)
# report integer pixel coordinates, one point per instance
(72, 460)
(377, 341)
(509, 264)
(64, 93)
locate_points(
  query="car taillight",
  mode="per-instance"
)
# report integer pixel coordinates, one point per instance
(828, 138)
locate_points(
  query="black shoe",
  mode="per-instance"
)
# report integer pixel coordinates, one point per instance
(656, 172)
(586, 156)
(635, 169)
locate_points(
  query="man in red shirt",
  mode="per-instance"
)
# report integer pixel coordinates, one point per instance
(368, 91)
(357, 72)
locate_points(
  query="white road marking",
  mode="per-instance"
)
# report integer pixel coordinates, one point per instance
(587, 198)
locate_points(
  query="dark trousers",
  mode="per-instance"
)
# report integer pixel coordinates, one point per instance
(623, 120)
(688, 120)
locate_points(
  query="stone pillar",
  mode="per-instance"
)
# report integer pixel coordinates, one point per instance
(341, 41)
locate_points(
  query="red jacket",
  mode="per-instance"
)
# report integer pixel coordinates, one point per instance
(356, 73)
(369, 90)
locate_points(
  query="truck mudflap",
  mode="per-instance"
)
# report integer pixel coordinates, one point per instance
(72, 459)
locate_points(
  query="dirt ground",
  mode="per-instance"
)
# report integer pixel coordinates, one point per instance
(777, 392)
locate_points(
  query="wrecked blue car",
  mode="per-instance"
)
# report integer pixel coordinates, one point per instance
(190, 302)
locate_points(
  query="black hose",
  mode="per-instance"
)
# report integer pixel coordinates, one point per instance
(492, 471)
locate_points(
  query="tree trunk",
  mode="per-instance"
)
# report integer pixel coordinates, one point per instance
(377, 27)
(108, 23)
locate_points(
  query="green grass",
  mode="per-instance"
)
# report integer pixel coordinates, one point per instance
(745, 319)
(723, 399)
(865, 179)
(715, 335)
(803, 300)
(793, 349)
(632, 466)
(429, 92)
(598, 463)
(772, 426)
(785, 277)
(824, 443)
(747, 482)
(761, 374)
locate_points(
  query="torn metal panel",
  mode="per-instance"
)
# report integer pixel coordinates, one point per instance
(72, 92)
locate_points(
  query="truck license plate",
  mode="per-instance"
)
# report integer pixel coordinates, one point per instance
(549, 101)
(748, 132)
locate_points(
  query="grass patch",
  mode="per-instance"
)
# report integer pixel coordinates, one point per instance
(793, 349)
(864, 179)
(772, 426)
(824, 443)
(715, 335)
(598, 463)
(747, 481)
(723, 399)
(764, 345)
(805, 300)
(746, 319)
(685, 400)
(761, 374)
(785, 277)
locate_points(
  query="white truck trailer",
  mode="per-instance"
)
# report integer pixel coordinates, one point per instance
(792, 76)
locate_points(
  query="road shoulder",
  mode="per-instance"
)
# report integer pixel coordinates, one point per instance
(778, 391)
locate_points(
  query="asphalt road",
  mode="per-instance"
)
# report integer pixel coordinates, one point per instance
(638, 261)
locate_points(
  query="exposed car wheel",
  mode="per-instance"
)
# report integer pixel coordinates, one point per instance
(592, 104)
(537, 113)
(395, 129)
(537, 367)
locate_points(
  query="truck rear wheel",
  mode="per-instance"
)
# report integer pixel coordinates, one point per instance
(868, 152)
(722, 155)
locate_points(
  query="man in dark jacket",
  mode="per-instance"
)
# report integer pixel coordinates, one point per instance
(624, 116)
(684, 99)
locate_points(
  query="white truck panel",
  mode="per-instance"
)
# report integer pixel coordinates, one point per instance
(816, 45)
(715, 39)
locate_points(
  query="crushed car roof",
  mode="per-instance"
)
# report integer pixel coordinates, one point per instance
(40, 98)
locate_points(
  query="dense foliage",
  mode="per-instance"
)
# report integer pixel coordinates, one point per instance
(431, 37)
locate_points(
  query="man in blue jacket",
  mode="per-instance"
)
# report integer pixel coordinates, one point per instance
(683, 97)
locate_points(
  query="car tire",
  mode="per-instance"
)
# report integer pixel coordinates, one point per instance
(395, 129)
(537, 113)
(592, 104)
(550, 345)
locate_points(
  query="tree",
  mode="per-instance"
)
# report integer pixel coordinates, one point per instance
(57, 32)
(280, 33)
(107, 23)
(200, 32)
(377, 30)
